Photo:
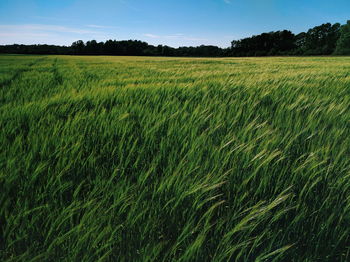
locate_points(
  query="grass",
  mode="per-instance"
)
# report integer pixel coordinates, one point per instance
(174, 159)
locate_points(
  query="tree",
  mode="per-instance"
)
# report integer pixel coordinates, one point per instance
(92, 48)
(325, 39)
(78, 47)
(272, 43)
(343, 43)
(320, 40)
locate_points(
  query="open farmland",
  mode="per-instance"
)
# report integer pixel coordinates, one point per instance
(174, 159)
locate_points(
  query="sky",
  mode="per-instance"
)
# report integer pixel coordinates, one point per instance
(174, 23)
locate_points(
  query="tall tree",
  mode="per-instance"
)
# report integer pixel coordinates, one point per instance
(343, 43)
(92, 48)
(320, 40)
(78, 47)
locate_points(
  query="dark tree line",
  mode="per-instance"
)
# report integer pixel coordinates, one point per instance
(35, 49)
(326, 39)
(320, 40)
(139, 48)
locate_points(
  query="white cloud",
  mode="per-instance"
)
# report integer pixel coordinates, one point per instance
(45, 28)
(65, 35)
(227, 1)
(101, 26)
(151, 36)
(50, 18)
(179, 39)
(50, 34)
(14, 34)
(175, 37)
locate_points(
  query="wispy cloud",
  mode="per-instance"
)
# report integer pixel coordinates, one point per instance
(227, 1)
(102, 26)
(24, 34)
(42, 33)
(178, 39)
(65, 35)
(50, 18)
(175, 37)
(151, 36)
(45, 28)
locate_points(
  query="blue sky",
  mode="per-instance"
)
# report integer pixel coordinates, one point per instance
(174, 23)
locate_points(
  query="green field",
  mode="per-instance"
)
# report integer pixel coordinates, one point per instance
(174, 159)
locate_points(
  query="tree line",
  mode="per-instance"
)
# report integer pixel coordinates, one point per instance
(325, 39)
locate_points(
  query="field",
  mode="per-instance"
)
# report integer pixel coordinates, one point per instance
(174, 159)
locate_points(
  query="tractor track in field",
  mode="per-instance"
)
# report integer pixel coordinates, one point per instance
(57, 76)
(20, 71)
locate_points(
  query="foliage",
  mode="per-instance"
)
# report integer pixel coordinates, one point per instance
(164, 159)
(320, 40)
(265, 44)
(343, 44)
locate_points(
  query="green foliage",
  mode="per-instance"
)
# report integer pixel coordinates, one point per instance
(170, 159)
(343, 44)
(319, 40)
